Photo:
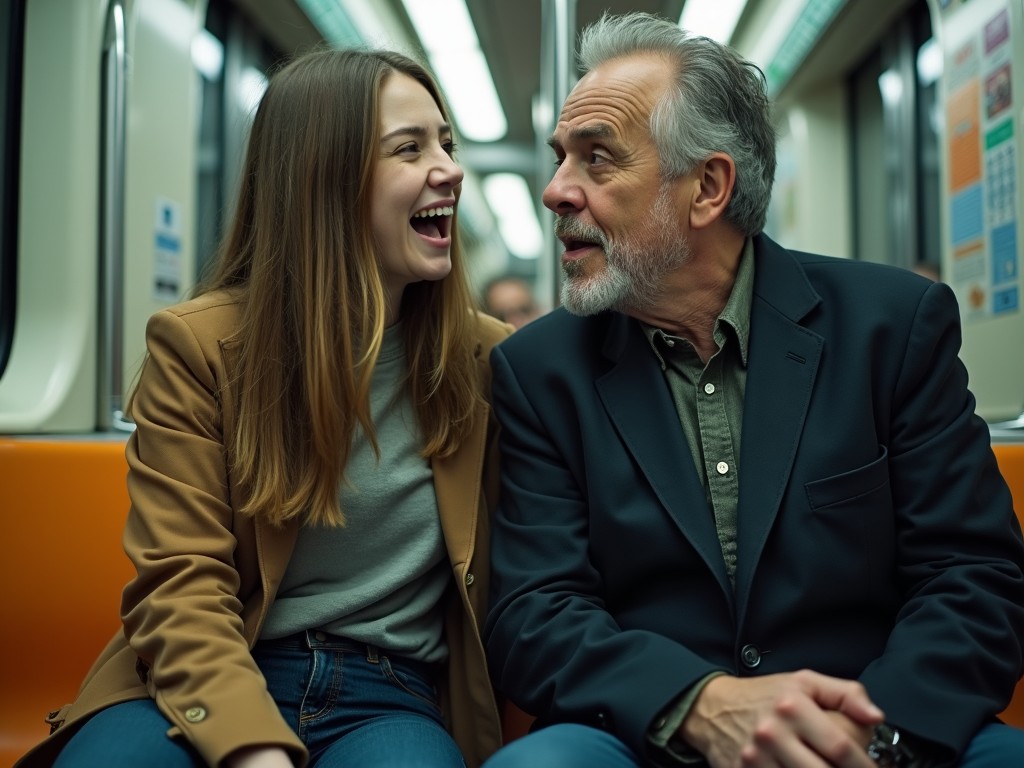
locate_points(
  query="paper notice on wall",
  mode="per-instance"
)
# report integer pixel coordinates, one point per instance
(983, 215)
(167, 266)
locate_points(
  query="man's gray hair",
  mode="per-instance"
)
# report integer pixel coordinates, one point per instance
(719, 104)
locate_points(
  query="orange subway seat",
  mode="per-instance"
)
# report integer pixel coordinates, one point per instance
(64, 503)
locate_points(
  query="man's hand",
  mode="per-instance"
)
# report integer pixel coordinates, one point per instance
(791, 720)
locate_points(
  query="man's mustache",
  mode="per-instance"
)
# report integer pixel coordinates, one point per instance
(571, 228)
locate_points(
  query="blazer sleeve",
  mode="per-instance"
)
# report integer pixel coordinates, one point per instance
(181, 612)
(554, 647)
(955, 651)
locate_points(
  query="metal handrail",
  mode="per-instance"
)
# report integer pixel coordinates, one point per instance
(110, 370)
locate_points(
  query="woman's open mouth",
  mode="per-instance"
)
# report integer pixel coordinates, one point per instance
(434, 224)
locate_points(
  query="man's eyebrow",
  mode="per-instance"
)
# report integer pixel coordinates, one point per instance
(596, 131)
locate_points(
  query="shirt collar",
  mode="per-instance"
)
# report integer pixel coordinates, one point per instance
(735, 314)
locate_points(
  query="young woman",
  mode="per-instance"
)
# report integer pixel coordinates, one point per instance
(313, 466)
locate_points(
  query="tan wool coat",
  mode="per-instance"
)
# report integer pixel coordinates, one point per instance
(207, 575)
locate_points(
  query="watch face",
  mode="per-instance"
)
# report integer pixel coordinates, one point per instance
(887, 749)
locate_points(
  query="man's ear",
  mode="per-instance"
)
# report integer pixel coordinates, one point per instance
(716, 178)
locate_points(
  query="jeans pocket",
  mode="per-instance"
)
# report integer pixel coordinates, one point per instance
(413, 678)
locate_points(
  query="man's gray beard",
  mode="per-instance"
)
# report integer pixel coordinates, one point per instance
(635, 269)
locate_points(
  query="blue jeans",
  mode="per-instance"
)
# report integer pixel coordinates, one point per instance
(349, 703)
(577, 746)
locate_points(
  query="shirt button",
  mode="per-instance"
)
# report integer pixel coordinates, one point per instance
(709, 388)
(470, 578)
(722, 467)
(195, 714)
(320, 636)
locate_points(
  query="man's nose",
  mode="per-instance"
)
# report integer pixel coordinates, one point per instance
(563, 193)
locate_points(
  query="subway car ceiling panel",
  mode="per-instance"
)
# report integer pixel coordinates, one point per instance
(125, 121)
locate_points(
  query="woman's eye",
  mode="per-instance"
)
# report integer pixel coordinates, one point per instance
(449, 147)
(407, 149)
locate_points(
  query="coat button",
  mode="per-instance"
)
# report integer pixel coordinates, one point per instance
(602, 721)
(750, 656)
(195, 714)
(470, 578)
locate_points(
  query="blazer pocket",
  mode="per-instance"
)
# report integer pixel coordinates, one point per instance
(850, 486)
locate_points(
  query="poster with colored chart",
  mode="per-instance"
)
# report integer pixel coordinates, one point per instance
(983, 195)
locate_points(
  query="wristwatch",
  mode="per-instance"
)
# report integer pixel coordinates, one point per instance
(888, 750)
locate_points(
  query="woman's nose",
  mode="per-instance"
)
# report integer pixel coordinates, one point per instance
(447, 172)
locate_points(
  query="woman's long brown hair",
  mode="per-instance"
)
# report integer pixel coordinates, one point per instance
(301, 253)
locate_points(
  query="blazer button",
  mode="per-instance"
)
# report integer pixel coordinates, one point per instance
(602, 721)
(750, 656)
(195, 714)
(470, 578)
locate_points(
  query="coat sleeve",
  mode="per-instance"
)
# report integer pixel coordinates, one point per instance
(955, 651)
(181, 612)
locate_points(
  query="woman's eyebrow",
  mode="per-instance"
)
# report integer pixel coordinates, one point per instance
(415, 130)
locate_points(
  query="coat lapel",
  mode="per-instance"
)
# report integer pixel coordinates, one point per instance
(637, 400)
(457, 481)
(782, 366)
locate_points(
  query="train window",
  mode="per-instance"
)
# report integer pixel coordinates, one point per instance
(893, 108)
(11, 41)
(232, 80)
(208, 55)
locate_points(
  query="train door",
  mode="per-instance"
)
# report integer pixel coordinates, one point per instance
(106, 187)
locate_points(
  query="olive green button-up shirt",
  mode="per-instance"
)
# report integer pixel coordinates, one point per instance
(709, 402)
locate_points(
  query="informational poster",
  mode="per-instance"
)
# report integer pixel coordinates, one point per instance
(983, 195)
(167, 267)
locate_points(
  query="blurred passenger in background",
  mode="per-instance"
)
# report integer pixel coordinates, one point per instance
(748, 514)
(510, 298)
(305, 475)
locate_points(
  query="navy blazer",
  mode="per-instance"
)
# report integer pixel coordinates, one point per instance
(876, 537)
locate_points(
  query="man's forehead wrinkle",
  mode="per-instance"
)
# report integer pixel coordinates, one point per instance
(615, 103)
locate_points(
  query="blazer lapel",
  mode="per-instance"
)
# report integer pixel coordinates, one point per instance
(457, 481)
(457, 485)
(783, 363)
(637, 400)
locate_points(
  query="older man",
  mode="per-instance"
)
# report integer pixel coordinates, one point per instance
(749, 515)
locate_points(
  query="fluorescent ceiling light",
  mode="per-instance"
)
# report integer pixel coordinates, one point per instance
(252, 86)
(377, 25)
(207, 55)
(716, 19)
(929, 62)
(509, 198)
(449, 39)
(890, 84)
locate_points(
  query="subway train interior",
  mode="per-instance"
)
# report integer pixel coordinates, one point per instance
(900, 141)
